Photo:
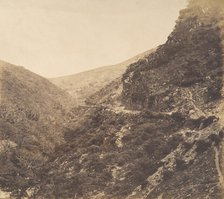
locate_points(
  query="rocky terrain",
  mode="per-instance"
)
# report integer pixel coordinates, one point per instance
(154, 133)
(85, 84)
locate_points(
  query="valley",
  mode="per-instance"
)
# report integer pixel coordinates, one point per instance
(149, 128)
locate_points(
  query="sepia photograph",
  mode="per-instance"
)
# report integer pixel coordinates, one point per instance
(111, 99)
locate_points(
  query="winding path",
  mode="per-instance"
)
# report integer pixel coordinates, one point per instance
(218, 167)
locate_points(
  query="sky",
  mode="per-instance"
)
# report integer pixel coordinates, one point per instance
(61, 37)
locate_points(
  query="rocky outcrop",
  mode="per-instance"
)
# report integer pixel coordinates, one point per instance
(187, 69)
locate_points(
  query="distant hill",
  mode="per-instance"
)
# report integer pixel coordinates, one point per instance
(83, 85)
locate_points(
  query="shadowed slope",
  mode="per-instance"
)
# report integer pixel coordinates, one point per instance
(33, 113)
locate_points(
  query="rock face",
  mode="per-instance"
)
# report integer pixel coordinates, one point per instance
(158, 131)
(85, 84)
(33, 113)
(186, 69)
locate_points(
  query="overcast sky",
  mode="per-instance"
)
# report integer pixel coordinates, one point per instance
(60, 37)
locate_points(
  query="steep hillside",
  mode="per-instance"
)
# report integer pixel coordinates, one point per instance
(158, 131)
(85, 84)
(33, 113)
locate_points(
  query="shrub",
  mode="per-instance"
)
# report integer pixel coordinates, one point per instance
(180, 164)
(167, 175)
(202, 146)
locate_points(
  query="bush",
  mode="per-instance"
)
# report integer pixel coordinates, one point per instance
(202, 146)
(167, 175)
(180, 164)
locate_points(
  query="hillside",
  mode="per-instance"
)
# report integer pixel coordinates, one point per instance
(85, 84)
(157, 132)
(33, 113)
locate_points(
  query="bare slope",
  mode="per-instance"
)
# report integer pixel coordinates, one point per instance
(83, 85)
